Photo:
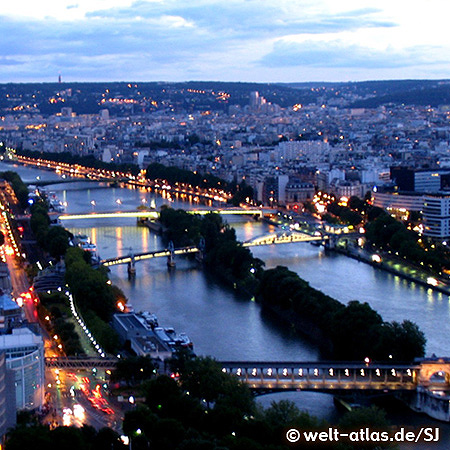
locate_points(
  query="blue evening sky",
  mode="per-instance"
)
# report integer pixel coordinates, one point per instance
(229, 40)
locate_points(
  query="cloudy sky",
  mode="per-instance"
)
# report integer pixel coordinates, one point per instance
(230, 40)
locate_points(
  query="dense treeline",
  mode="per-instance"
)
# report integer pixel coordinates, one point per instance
(355, 330)
(387, 233)
(208, 409)
(19, 187)
(174, 174)
(352, 331)
(223, 254)
(414, 95)
(52, 238)
(94, 295)
(54, 307)
(86, 161)
(344, 213)
(40, 437)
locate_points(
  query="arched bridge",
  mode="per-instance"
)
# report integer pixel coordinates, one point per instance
(335, 376)
(153, 214)
(285, 238)
(270, 239)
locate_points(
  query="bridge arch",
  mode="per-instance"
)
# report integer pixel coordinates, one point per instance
(435, 372)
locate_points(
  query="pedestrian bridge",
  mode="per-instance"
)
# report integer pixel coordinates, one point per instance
(78, 363)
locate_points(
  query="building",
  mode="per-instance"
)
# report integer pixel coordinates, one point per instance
(7, 405)
(140, 338)
(436, 216)
(400, 201)
(5, 280)
(24, 352)
(256, 101)
(420, 180)
(298, 193)
(10, 313)
(347, 188)
(311, 151)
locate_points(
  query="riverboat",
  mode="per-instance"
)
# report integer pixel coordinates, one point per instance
(170, 337)
(149, 318)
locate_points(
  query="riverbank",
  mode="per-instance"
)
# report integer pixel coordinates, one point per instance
(396, 267)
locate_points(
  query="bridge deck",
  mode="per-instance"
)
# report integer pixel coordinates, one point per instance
(155, 214)
(324, 375)
(149, 255)
(80, 363)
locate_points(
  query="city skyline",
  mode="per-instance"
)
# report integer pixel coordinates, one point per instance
(261, 41)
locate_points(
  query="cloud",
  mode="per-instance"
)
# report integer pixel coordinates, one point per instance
(339, 54)
(9, 62)
(251, 18)
(174, 39)
(173, 29)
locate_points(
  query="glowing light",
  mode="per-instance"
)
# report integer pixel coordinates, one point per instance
(78, 412)
(376, 258)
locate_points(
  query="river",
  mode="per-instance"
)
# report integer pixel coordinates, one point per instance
(221, 323)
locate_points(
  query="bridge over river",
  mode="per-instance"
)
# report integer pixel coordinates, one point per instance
(315, 376)
(425, 384)
(269, 239)
(154, 214)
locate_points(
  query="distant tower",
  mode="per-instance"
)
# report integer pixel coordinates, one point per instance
(254, 99)
(59, 79)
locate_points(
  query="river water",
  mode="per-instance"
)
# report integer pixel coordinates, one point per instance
(221, 323)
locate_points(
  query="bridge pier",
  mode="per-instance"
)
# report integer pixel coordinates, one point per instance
(131, 269)
(171, 257)
(331, 242)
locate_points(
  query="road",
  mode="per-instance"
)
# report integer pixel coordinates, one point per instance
(71, 398)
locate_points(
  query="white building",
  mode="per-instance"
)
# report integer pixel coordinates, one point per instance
(395, 201)
(427, 181)
(436, 216)
(24, 353)
(7, 405)
(312, 151)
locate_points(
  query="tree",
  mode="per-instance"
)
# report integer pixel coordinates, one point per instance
(373, 418)
(403, 342)
(35, 437)
(354, 329)
(57, 241)
(134, 369)
(139, 418)
(107, 439)
(283, 413)
(356, 203)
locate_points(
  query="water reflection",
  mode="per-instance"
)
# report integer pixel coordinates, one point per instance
(221, 323)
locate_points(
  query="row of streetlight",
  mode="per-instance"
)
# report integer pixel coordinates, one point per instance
(95, 344)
